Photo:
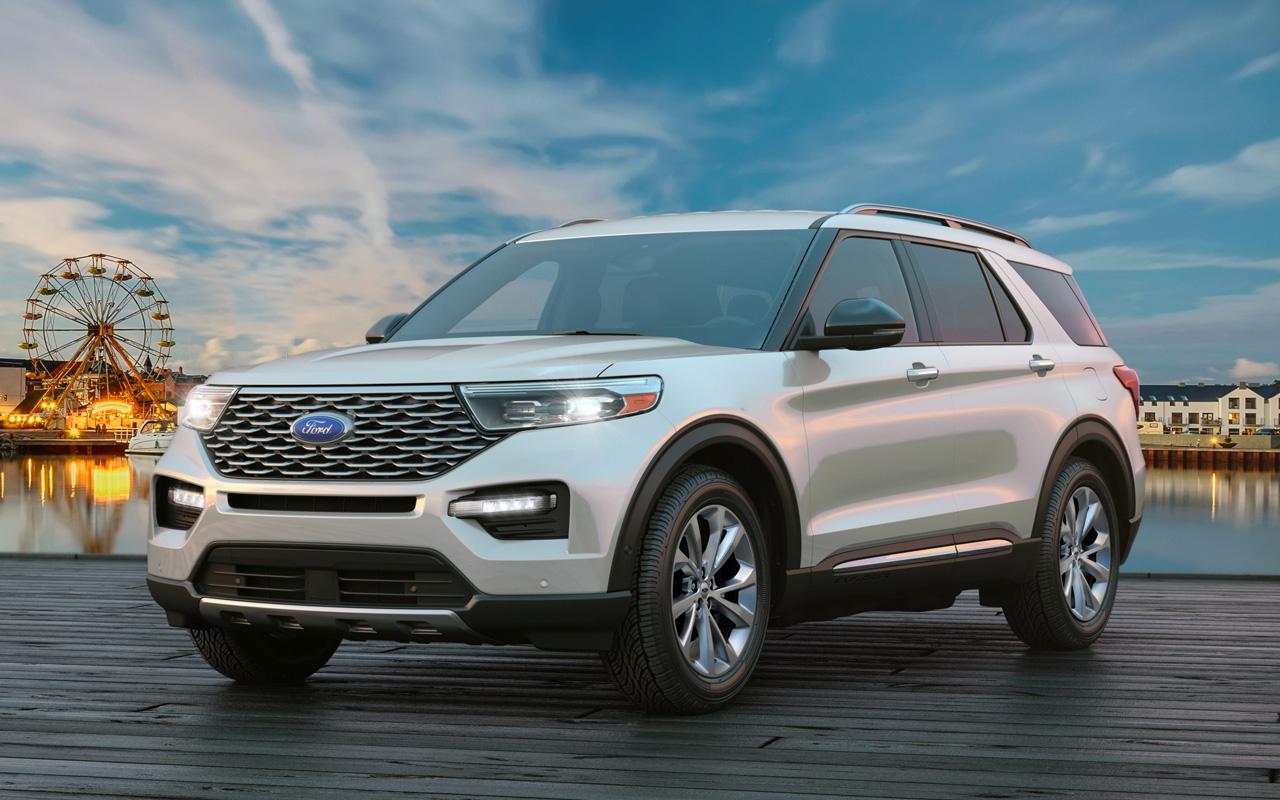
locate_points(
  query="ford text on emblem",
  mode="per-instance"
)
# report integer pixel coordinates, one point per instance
(320, 428)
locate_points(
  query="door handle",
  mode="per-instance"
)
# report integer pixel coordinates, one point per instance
(920, 375)
(1040, 365)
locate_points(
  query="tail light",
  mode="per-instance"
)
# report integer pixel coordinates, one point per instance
(1129, 378)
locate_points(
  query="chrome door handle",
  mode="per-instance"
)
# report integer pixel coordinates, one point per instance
(920, 375)
(1040, 365)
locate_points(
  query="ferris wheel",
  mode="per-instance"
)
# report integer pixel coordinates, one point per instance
(97, 329)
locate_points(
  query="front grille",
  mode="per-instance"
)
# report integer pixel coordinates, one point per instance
(325, 576)
(407, 434)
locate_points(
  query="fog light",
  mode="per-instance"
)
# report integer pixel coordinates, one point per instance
(503, 505)
(187, 498)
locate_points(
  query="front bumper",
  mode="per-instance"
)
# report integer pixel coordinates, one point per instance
(559, 622)
(601, 464)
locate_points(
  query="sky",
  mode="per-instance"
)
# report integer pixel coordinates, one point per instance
(291, 171)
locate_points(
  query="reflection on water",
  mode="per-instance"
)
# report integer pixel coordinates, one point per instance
(74, 504)
(1209, 521)
(1196, 520)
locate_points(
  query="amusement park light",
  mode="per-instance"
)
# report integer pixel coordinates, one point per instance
(204, 405)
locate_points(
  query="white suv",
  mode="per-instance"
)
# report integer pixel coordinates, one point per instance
(655, 437)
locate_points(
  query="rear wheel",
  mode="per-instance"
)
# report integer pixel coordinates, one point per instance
(694, 633)
(252, 656)
(1067, 604)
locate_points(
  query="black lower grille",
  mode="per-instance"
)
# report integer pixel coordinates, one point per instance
(322, 504)
(324, 576)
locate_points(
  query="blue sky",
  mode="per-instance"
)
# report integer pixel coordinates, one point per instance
(292, 170)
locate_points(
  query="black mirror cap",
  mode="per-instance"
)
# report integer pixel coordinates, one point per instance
(863, 323)
(384, 327)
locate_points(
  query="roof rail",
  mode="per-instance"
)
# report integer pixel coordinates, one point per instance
(579, 221)
(948, 220)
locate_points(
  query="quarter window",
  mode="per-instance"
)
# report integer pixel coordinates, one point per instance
(960, 295)
(1060, 294)
(862, 267)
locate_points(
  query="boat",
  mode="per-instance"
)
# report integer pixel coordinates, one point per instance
(152, 438)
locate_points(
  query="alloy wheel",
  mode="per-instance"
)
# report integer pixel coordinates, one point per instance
(713, 594)
(1084, 554)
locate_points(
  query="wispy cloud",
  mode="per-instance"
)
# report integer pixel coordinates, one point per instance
(1258, 66)
(1132, 257)
(1252, 175)
(1046, 26)
(808, 41)
(1050, 225)
(966, 167)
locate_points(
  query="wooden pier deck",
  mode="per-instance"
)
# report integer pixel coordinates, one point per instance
(1180, 699)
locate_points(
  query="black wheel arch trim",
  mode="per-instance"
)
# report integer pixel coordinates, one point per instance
(1085, 430)
(682, 448)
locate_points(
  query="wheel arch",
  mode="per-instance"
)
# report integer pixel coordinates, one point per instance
(740, 449)
(1096, 440)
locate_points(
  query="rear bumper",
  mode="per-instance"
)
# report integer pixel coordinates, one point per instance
(552, 622)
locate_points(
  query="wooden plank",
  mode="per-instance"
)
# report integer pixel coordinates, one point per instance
(99, 697)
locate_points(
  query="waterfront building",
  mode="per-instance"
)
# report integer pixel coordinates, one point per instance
(1218, 409)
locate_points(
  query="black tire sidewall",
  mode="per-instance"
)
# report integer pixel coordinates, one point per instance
(1082, 473)
(730, 495)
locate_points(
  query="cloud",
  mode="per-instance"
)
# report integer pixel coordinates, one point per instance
(1049, 26)
(1247, 369)
(1258, 66)
(1200, 333)
(1252, 175)
(1051, 225)
(966, 167)
(260, 160)
(1117, 258)
(808, 40)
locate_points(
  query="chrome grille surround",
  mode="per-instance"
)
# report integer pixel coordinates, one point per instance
(400, 433)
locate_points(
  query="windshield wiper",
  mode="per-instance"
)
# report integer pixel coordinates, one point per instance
(592, 333)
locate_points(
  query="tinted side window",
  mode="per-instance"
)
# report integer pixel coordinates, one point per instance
(1015, 328)
(863, 268)
(958, 291)
(1063, 299)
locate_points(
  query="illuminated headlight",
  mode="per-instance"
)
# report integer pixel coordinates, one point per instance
(503, 505)
(204, 405)
(182, 496)
(512, 406)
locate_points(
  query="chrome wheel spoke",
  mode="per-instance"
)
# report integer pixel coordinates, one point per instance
(1093, 567)
(733, 537)
(681, 606)
(705, 648)
(736, 613)
(745, 579)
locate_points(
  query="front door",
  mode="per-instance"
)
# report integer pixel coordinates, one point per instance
(880, 457)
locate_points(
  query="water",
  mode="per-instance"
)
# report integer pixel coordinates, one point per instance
(1197, 521)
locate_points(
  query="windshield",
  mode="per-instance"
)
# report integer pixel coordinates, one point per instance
(716, 288)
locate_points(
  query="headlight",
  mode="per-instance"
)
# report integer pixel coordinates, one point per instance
(512, 406)
(204, 405)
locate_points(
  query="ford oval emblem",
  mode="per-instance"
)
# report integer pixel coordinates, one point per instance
(321, 428)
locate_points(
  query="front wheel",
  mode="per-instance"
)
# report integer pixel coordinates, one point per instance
(1067, 604)
(252, 656)
(694, 633)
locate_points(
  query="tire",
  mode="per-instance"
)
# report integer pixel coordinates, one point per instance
(250, 656)
(1040, 611)
(648, 663)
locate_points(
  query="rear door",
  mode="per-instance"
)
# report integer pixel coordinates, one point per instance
(876, 424)
(998, 372)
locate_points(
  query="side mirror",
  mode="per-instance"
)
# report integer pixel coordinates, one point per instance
(859, 324)
(384, 328)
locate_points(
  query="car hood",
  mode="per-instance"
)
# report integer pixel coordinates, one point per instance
(477, 359)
